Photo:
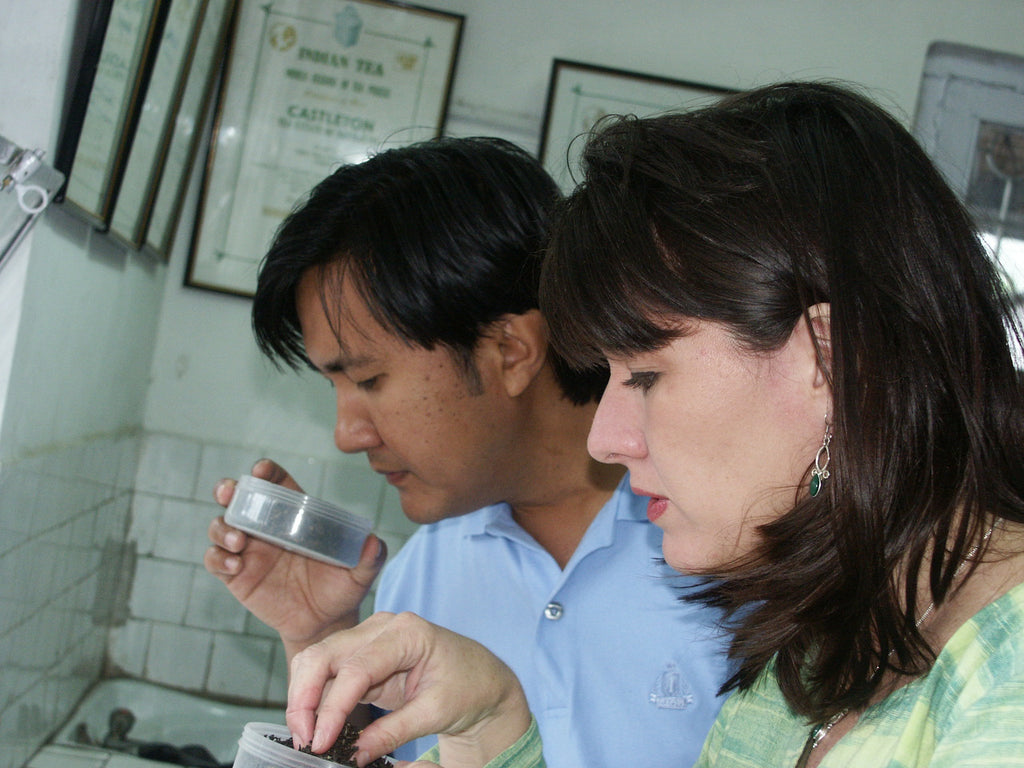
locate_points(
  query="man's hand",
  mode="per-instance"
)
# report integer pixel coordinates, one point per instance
(303, 599)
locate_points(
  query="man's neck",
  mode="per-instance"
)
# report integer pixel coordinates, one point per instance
(559, 522)
(557, 488)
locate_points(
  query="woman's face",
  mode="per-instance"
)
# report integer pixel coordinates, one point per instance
(720, 438)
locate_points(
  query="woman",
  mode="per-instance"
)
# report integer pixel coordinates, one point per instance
(812, 378)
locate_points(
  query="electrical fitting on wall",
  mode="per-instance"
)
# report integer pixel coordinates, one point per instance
(27, 186)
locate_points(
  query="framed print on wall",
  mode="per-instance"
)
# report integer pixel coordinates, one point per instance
(192, 112)
(145, 163)
(105, 104)
(580, 94)
(310, 85)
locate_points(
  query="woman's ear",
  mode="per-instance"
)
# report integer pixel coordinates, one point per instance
(522, 343)
(821, 335)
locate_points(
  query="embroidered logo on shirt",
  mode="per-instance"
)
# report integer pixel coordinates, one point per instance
(670, 690)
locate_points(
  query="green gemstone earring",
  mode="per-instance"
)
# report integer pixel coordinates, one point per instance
(822, 459)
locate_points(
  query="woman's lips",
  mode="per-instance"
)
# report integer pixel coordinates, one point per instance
(656, 507)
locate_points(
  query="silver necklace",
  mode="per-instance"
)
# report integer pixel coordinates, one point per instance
(820, 731)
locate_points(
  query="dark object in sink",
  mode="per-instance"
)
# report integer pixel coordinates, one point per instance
(192, 755)
(120, 723)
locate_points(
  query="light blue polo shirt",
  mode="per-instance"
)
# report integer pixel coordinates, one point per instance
(617, 670)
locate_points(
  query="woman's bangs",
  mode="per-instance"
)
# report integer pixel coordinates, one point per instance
(598, 289)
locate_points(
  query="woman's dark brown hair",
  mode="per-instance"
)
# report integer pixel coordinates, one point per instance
(748, 213)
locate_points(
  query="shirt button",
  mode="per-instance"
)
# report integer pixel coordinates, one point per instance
(553, 611)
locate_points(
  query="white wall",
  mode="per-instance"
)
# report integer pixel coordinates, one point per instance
(730, 43)
(77, 323)
(95, 344)
(29, 118)
(220, 390)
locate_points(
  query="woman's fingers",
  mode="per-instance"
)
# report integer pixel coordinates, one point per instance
(432, 681)
(314, 706)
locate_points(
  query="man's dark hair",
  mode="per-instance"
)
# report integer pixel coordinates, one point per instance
(441, 239)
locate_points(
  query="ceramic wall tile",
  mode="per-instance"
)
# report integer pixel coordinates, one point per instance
(212, 606)
(182, 530)
(160, 590)
(240, 666)
(168, 465)
(178, 656)
(277, 685)
(219, 461)
(128, 646)
(145, 520)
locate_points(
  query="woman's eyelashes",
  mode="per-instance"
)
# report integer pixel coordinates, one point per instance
(642, 380)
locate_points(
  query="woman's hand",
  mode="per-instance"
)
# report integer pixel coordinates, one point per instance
(432, 680)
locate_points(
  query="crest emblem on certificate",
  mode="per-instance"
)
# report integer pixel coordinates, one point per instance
(347, 26)
(283, 36)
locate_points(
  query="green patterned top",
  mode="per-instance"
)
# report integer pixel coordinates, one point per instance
(967, 712)
(525, 753)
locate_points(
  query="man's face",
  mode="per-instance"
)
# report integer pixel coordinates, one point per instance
(438, 439)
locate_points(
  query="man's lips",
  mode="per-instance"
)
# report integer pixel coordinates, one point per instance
(393, 476)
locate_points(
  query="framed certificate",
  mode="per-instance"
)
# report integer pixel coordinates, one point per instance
(145, 163)
(580, 94)
(163, 217)
(310, 85)
(106, 102)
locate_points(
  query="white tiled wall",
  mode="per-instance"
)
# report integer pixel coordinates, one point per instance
(63, 513)
(183, 628)
(101, 547)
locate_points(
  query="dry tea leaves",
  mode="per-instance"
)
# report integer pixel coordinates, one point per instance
(342, 751)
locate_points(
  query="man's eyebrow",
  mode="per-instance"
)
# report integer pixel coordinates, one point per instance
(343, 363)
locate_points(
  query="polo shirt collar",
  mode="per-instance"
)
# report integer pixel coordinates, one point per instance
(497, 520)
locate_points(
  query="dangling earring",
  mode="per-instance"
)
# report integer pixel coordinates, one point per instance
(822, 459)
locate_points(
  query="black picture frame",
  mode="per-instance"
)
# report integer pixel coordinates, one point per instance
(144, 166)
(105, 105)
(579, 94)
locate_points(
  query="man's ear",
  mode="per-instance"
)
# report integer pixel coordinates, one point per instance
(821, 332)
(521, 343)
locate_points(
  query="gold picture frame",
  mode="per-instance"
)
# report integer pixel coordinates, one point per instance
(310, 85)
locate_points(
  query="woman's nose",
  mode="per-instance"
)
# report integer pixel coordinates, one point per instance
(615, 434)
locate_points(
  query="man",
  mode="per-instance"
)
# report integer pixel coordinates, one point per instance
(410, 282)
